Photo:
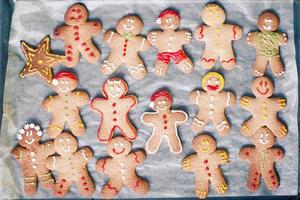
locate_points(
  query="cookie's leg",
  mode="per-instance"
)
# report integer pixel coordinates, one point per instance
(85, 184)
(250, 126)
(30, 182)
(227, 58)
(199, 122)
(201, 185)
(186, 65)
(209, 58)
(218, 182)
(61, 187)
(153, 142)
(72, 55)
(110, 65)
(111, 189)
(278, 128)
(128, 131)
(89, 51)
(277, 66)
(174, 142)
(45, 177)
(253, 177)
(55, 128)
(221, 124)
(137, 184)
(105, 131)
(259, 67)
(137, 68)
(271, 179)
(77, 127)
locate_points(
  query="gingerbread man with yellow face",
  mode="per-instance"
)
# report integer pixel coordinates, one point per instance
(169, 43)
(120, 168)
(212, 103)
(125, 45)
(77, 34)
(65, 107)
(32, 155)
(205, 164)
(263, 109)
(262, 159)
(218, 38)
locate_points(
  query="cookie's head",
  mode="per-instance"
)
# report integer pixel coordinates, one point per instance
(130, 24)
(118, 147)
(204, 144)
(213, 15)
(161, 100)
(76, 14)
(64, 82)
(168, 19)
(65, 143)
(268, 21)
(262, 87)
(263, 138)
(29, 135)
(114, 88)
(213, 82)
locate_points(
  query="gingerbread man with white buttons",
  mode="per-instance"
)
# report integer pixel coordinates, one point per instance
(65, 107)
(205, 164)
(261, 159)
(212, 103)
(121, 168)
(164, 122)
(71, 166)
(77, 34)
(32, 155)
(125, 45)
(114, 109)
(263, 109)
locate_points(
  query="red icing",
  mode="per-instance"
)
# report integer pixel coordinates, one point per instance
(201, 36)
(208, 60)
(77, 38)
(165, 128)
(209, 174)
(61, 186)
(212, 87)
(165, 122)
(63, 74)
(207, 168)
(164, 116)
(166, 57)
(76, 33)
(272, 177)
(83, 44)
(262, 92)
(162, 93)
(270, 172)
(84, 183)
(92, 54)
(87, 189)
(256, 173)
(95, 24)
(229, 61)
(115, 112)
(75, 27)
(247, 153)
(136, 158)
(234, 31)
(205, 161)
(103, 165)
(63, 180)
(82, 178)
(69, 52)
(168, 12)
(69, 58)
(87, 49)
(274, 183)
(114, 105)
(278, 153)
(137, 184)
(118, 152)
(69, 47)
(114, 119)
(112, 188)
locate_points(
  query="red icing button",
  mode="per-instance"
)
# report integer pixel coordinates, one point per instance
(82, 177)
(114, 119)
(95, 24)
(256, 173)
(69, 58)
(274, 183)
(84, 183)
(76, 33)
(69, 46)
(165, 122)
(164, 116)
(61, 186)
(270, 172)
(83, 44)
(115, 112)
(77, 38)
(87, 49)
(205, 161)
(69, 52)
(87, 189)
(207, 168)
(124, 54)
(114, 104)
(255, 179)
(75, 27)
(247, 153)
(272, 177)
(92, 54)
(165, 127)
(209, 174)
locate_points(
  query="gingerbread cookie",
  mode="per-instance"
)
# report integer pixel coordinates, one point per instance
(120, 168)
(32, 155)
(77, 34)
(125, 45)
(205, 164)
(114, 109)
(212, 103)
(267, 42)
(263, 109)
(71, 166)
(169, 43)
(262, 159)
(40, 60)
(65, 107)
(164, 122)
(218, 37)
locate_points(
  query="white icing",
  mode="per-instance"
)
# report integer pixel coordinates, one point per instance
(143, 42)
(31, 125)
(67, 149)
(30, 141)
(54, 162)
(19, 136)
(22, 131)
(55, 82)
(83, 154)
(114, 81)
(228, 99)
(32, 153)
(198, 96)
(39, 133)
(37, 128)
(26, 126)
(222, 125)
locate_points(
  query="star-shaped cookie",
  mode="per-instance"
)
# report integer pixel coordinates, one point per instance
(39, 60)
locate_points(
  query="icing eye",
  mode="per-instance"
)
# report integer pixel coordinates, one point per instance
(31, 125)
(22, 131)
(54, 82)
(132, 21)
(39, 133)
(217, 82)
(19, 136)
(68, 139)
(66, 82)
(169, 19)
(116, 144)
(61, 140)
(209, 81)
(37, 128)
(121, 144)
(26, 126)
(267, 134)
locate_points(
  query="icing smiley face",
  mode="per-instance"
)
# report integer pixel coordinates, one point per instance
(169, 20)
(161, 100)
(29, 135)
(213, 15)
(262, 87)
(118, 147)
(64, 82)
(130, 24)
(264, 138)
(65, 143)
(76, 14)
(268, 21)
(204, 144)
(114, 87)
(213, 82)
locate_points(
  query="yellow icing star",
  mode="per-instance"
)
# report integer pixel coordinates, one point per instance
(39, 60)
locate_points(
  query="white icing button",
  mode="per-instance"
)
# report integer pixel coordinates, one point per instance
(122, 164)
(211, 105)
(211, 112)
(33, 159)
(123, 177)
(34, 166)
(32, 153)
(122, 170)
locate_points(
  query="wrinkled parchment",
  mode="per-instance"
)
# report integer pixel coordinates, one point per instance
(32, 20)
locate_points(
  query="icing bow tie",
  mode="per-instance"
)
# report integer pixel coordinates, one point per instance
(127, 35)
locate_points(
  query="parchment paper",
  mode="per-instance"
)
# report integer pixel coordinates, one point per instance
(32, 20)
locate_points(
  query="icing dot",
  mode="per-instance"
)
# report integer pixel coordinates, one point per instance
(69, 58)
(114, 104)
(165, 127)
(164, 116)
(95, 24)
(32, 153)
(92, 54)
(83, 44)
(207, 168)
(115, 112)
(270, 172)
(205, 161)
(114, 119)
(77, 38)
(87, 49)
(40, 62)
(209, 174)
(75, 27)
(69, 52)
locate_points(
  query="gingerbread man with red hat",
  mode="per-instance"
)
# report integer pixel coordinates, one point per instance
(164, 122)
(169, 43)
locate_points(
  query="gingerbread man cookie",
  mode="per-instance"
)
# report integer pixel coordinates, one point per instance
(32, 155)
(164, 122)
(65, 107)
(218, 37)
(77, 34)
(169, 43)
(125, 45)
(205, 164)
(262, 159)
(267, 42)
(212, 103)
(71, 166)
(120, 168)
(263, 109)
(114, 109)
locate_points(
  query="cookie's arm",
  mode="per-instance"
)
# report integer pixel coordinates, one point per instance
(252, 37)
(148, 118)
(181, 117)
(82, 98)
(138, 157)
(94, 27)
(97, 104)
(51, 162)
(49, 148)
(185, 36)
(48, 104)
(195, 96)
(278, 103)
(283, 39)
(130, 101)
(245, 153)
(86, 153)
(109, 37)
(102, 165)
(143, 44)
(246, 102)
(17, 153)
(221, 156)
(200, 33)
(230, 99)
(187, 163)
(152, 37)
(60, 32)
(237, 32)
(278, 153)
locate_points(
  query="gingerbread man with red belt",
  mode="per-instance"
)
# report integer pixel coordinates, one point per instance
(77, 34)
(114, 109)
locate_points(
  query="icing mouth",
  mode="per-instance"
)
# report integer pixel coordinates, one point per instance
(204, 149)
(128, 28)
(66, 149)
(263, 140)
(76, 18)
(162, 108)
(268, 27)
(263, 93)
(169, 27)
(63, 90)
(213, 87)
(30, 141)
(119, 152)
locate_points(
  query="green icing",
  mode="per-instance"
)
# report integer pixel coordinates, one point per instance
(268, 44)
